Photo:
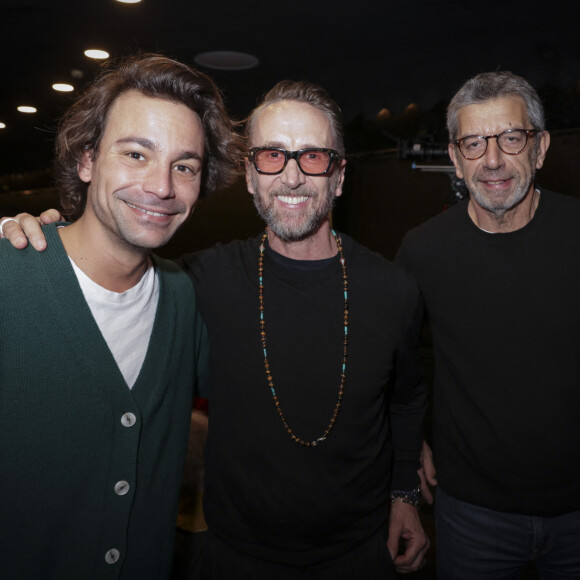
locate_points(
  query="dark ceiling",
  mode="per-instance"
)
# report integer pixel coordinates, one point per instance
(369, 55)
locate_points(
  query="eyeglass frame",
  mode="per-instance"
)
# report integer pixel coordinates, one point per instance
(527, 132)
(333, 155)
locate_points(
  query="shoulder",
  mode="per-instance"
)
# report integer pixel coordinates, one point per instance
(559, 202)
(433, 237)
(11, 257)
(173, 278)
(220, 259)
(382, 295)
(438, 225)
(376, 271)
(556, 222)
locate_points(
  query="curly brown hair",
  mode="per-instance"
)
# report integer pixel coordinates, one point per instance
(82, 126)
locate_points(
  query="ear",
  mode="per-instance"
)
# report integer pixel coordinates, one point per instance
(249, 183)
(452, 150)
(340, 178)
(542, 149)
(85, 166)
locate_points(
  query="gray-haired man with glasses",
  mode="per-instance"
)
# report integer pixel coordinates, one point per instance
(500, 281)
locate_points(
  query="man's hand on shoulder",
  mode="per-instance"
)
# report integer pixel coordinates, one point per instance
(25, 227)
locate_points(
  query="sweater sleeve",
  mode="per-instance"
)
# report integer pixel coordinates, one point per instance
(202, 358)
(191, 264)
(408, 404)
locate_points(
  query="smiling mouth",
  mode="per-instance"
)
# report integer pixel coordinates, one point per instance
(146, 211)
(293, 199)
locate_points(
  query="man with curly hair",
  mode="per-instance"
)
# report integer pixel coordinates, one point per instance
(94, 411)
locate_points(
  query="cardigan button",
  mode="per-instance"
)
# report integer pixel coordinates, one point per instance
(112, 556)
(122, 487)
(128, 420)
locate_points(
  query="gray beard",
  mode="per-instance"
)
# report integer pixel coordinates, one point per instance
(499, 210)
(297, 230)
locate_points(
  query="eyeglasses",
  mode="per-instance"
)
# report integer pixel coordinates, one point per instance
(272, 161)
(512, 142)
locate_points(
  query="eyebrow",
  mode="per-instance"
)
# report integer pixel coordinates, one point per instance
(152, 146)
(280, 145)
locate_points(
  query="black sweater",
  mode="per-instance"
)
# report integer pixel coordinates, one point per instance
(504, 311)
(264, 494)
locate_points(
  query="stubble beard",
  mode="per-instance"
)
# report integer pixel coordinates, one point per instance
(297, 227)
(131, 236)
(499, 206)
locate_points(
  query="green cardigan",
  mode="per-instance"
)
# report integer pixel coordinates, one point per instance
(90, 470)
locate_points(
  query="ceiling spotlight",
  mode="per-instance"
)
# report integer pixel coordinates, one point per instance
(98, 54)
(129, 1)
(2, 126)
(227, 60)
(26, 109)
(63, 87)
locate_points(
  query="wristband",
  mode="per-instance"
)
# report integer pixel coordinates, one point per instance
(412, 497)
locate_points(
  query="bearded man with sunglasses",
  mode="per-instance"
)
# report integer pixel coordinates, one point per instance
(317, 400)
(316, 404)
(500, 282)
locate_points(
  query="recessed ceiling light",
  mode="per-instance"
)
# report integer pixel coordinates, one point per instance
(95, 53)
(2, 126)
(227, 60)
(129, 1)
(63, 87)
(26, 109)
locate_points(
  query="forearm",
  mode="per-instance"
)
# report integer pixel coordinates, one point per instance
(408, 407)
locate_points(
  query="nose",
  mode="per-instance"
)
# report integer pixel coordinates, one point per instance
(493, 154)
(292, 177)
(158, 182)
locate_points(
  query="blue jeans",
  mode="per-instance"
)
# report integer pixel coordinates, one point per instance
(476, 543)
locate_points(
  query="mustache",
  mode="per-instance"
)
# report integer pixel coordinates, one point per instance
(491, 176)
(301, 191)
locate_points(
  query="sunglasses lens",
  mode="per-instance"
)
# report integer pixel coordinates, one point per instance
(314, 162)
(311, 161)
(269, 160)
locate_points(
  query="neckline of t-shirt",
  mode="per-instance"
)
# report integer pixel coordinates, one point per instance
(508, 237)
(302, 269)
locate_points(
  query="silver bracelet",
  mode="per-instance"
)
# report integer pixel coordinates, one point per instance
(412, 497)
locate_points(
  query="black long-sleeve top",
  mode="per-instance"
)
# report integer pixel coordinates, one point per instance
(504, 312)
(264, 494)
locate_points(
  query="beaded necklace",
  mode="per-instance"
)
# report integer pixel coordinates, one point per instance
(269, 378)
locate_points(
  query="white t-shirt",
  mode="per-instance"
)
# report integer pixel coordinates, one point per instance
(125, 319)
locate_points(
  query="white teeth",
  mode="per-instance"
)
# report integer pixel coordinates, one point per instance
(154, 213)
(293, 200)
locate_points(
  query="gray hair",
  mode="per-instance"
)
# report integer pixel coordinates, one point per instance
(494, 85)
